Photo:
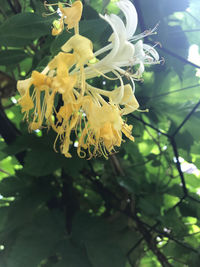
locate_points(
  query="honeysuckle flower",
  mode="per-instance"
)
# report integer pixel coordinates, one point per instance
(58, 26)
(73, 14)
(68, 117)
(124, 54)
(70, 16)
(62, 63)
(82, 47)
(26, 102)
(93, 114)
(103, 129)
(129, 101)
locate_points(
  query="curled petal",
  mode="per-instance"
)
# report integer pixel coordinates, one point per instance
(23, 86)
(73, 14)
(82, 47)
(151, 51)
(58, 26)
(129, 100)
(62, 62)
(26, 102)
(40, 79)
(131, 16)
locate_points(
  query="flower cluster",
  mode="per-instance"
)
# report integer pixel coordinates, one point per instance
(61, 98)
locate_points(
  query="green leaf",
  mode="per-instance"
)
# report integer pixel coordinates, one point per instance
(188, 208)
(72, 255)
(9, 57)
(21, 29)
(106, 243)
(150, 205)
(37, 161)
(38, 238)
(11, 186)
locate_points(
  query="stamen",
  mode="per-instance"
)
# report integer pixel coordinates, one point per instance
(48, 14)
(97, 90)
(101, 73)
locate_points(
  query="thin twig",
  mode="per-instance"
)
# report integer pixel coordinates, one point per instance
(171, 53)
(116, 165)
(186, 118)
(175, 91)
(1, 170)
(152, 244)
(178, 165)
(149, 125)
(133, 248)
(194, 199)
(172, 238)
(192, 16)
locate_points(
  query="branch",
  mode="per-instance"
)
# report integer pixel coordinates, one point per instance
(146, 235)
(194, 199)
(149, 125)
(116, 165)
(186, 118)
(151, 243)
(133, 248)
(175, 91)
(197, 20)
(176, 241)
(178, 165)
(169, 236)
(169, 52)
(143, 28)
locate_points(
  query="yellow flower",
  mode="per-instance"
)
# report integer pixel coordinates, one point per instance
(93, 114)
(23, 86)
(103, 129)
(62, 63)
(73, 14)
(25, 101)
(41, 81)
(69, 16)
(82, 48)
(58, 26)
(128, 100)
(68, 118)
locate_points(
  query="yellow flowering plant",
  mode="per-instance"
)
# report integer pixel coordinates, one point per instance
(95, 115)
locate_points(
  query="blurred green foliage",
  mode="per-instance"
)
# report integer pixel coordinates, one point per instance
(140, 207)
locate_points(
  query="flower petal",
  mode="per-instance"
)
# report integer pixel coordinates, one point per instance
(131, 16)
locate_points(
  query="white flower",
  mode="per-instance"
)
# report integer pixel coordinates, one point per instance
(122, 52)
